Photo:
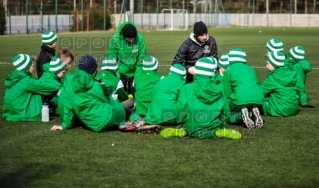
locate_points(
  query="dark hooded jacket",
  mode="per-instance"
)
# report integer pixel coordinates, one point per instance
(191, 50)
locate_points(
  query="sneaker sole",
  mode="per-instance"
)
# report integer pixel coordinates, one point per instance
(228, 133)
(149, 129)
(247, 121)
(259, 121)
(172, 132)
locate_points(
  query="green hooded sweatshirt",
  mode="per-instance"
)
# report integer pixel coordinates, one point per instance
(164, 100)
(302, 67)
(51, 78)
(143, 86)
(281, 93)
(22, 99)
(90, 105)
(117, 85)
(62, 101)
(202, 107)
(241, 86)
(129, 56)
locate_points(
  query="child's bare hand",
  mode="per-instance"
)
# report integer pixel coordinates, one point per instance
(56, 128)
(221, 72)
(191, 70)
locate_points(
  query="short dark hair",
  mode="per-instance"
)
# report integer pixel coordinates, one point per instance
(66, 53)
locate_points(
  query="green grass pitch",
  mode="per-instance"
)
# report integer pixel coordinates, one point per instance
(283, 154)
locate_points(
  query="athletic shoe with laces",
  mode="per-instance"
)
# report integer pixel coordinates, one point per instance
(257, 118)
(228, 133)
(246, 119)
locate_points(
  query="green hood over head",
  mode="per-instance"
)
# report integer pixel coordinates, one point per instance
(285, 77)
(206, 90)
(82, 81)
(119, 30)
(14, 77)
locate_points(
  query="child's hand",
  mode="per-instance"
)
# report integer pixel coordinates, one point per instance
(221, 72)
(191, 70)
(56, 128)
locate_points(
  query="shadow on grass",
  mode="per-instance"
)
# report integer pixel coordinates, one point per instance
(25, 176)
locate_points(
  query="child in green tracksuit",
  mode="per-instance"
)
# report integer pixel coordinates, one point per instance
(275, 45)
(144, 83)
(280, 88)
(202, 108)
(164, 97)
(109, 69)
(53, 73)
(242, 90)
(87, 103)
(302, 67)
(22, 98)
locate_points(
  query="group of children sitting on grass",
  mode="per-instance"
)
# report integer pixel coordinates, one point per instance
(223, 91)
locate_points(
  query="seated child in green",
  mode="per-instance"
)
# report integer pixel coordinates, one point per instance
(280, 88)
(164, 97)
(22, 98)
(144, 83)
(242, 90)
(108, 72)
(302, 67)
(86, 102)
(202, 108)
(53, 73)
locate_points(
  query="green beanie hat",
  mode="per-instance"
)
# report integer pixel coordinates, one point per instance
(274, 45)
(276, 59)
(48, 38)
(57, 65)
(223, 61)
(236, 55)
(178, 69)
(206, 66)
(297, 53)
(22, 62)
(109, 63)
(150, 63)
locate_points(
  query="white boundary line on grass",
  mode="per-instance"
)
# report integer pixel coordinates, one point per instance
(316, 68)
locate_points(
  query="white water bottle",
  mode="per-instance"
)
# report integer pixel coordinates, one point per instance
(45, 112)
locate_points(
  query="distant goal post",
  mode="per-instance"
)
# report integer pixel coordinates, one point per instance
(173, 20)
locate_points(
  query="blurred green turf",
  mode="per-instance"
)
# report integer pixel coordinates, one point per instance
(284, 153)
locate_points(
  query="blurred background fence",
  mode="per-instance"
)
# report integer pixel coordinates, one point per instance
(35, 16)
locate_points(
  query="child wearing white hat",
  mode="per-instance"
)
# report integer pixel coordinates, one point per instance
(302, 67)
(164, 97)
(49, 41)
(202, 107)
(144, 83)
(22, 98)
(108, 72)
(53, 73)
(280, 88)
(242, 90)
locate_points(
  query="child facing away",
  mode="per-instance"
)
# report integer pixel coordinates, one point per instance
(108, 72)
(280, 87)
(144, 83)
(276, 45)
(22, 98)
(202, 108)
(164, 97)
(242, 90)
(87, 103)
(302, 67)
(53, 73)
(47, 52)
